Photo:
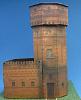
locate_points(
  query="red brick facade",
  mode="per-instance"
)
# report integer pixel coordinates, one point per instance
(45, 76)
(25, 75)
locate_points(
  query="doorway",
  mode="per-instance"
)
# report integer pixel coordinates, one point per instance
(50, 90)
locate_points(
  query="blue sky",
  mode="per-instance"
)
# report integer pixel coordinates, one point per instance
(17, 43)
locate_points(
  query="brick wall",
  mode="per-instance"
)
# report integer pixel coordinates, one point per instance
(26, 80)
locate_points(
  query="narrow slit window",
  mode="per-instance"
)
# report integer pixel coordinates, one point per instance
(13, 83)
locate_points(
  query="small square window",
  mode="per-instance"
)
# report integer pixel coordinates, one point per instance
(32, 83)
(23, 84)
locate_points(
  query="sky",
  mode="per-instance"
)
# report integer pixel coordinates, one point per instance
(16, 40)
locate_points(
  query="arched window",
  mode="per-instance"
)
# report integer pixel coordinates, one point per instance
(49, 53)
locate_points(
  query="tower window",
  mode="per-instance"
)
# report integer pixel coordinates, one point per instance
(13, 83)
(32, 83)
(49, 53)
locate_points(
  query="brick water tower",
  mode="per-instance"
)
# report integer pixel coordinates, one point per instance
(49, 22)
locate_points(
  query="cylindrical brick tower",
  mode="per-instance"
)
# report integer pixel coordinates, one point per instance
(49, 21)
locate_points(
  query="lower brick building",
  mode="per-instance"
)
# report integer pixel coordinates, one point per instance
(21, 78)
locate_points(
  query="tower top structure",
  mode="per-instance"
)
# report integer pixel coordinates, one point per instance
(49, 14)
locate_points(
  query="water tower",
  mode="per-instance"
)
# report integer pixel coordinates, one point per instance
(49, 22)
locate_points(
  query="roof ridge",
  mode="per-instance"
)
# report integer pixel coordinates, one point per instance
(47, 3)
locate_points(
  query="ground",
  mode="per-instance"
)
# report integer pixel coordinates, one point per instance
(72, 95)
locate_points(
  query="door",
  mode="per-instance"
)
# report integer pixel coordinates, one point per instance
(50, 90)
